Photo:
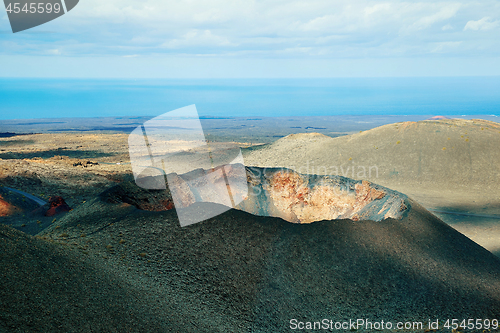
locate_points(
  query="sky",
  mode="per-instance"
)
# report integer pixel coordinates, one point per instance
(258, 39)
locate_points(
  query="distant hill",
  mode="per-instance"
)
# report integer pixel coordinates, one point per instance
(425, 159)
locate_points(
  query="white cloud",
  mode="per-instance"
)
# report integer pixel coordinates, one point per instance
(438, 12)
(482, 24)
(54, 52)
(271, 28)
(378, 8)
(322, 23)
(197, 38)
(444, 47)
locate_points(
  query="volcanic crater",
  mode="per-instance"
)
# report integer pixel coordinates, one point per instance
(276, 192)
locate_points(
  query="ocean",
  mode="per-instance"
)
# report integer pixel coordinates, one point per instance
(56, 98)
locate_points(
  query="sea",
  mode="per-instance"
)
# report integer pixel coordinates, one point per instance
(24, 98)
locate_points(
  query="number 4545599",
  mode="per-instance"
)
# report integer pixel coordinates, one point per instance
(33, 8)
(472, 324)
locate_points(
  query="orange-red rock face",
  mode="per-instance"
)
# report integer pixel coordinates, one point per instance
(302, 202)
(6, 209)
(308, 198)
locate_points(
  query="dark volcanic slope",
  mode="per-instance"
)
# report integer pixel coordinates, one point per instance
(50, 287)
(239, 272)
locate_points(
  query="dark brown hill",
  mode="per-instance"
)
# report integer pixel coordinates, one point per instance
(50, 287)
(239, 272)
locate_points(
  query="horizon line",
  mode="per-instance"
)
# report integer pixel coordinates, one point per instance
(246, 78)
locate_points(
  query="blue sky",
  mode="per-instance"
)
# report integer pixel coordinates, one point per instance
(248, 39)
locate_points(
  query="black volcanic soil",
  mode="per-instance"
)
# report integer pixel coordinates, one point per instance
(50, 287)
(239, 272)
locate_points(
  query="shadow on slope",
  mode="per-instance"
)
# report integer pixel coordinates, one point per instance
(4, 143)
(242, 272)
(45, 154)
(53, 288)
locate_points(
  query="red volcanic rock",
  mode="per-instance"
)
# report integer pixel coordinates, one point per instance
(57, 206)
(7, 209)
(302, 198)
(366, 194)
